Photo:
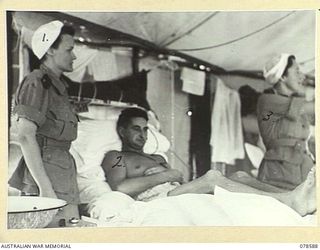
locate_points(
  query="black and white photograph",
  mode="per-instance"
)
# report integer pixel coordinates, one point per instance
(161, 119)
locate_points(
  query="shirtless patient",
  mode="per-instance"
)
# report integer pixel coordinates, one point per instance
(132, 172)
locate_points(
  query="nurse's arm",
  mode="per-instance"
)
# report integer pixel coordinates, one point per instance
(32, 156)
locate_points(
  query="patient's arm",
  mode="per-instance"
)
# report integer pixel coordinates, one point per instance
(116, 169)
(154, 170)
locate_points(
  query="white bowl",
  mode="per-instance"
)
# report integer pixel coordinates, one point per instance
(32, 212)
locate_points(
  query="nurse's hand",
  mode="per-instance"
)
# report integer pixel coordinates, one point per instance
(173, 175)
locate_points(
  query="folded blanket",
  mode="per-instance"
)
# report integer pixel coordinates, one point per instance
(157, 192)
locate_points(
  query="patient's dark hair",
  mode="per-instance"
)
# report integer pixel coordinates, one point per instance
(129, 113)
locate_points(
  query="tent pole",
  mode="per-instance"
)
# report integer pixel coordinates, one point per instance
(9, 63)
(172, 116)
(135, 60)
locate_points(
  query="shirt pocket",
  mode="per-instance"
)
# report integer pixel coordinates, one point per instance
(60, 168)
(295, 129)
(61, 124)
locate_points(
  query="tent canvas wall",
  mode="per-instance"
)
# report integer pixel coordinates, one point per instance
(232, 45)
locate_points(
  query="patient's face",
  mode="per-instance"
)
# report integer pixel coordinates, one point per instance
(135, 134)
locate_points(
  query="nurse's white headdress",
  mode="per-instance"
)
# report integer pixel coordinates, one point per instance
(44, 37)
(275, 68)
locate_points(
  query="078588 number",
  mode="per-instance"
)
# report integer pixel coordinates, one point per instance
(308, 245)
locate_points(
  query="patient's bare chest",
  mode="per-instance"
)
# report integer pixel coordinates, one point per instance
(138, 164)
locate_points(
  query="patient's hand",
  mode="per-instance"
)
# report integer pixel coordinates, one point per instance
(154, 170)
(173, 175)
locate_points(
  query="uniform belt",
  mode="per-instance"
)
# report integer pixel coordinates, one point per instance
(286, 142)
(45, 141)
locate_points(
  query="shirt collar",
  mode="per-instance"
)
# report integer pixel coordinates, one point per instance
(58, 83)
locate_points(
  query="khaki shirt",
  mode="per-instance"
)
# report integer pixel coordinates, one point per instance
(43, 99)
(284, 130)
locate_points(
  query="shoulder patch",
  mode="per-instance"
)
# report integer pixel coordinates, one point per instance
(46, 81)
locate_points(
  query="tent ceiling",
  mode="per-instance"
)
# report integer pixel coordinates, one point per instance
(257, 34)
(286, 31)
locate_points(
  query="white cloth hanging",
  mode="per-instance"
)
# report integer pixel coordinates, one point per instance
(124, 65)
(102, 64)
(103, 67)
(226, 127)
(193, 81)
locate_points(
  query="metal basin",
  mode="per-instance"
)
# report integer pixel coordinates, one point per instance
(32, 212)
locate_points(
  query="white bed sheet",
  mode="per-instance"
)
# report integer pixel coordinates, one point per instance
(222, 209)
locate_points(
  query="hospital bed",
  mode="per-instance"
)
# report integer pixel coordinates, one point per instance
(97, 135)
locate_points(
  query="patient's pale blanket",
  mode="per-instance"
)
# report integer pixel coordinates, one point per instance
(222, 209)
(156, 192)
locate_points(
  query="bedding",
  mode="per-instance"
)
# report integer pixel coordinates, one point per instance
(156, 192)
(112, 209)
(222, 209)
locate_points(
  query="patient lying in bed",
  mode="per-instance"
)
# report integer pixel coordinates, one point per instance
(145, 177)
(133, 167)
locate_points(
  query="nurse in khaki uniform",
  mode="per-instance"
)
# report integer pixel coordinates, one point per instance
(46, 122)
(283, 116)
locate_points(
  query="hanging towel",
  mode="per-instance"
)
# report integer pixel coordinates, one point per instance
(226, 127)
(124, 64)
(103, 67)
(193, 81)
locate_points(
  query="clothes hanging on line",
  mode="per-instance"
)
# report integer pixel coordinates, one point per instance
(226, 127)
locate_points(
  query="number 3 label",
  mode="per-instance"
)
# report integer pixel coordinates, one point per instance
(267, 116)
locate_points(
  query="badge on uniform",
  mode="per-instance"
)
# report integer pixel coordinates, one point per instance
(46, 81)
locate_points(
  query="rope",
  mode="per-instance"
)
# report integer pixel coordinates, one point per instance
(306, 61)
(192, 29)
(239, 38)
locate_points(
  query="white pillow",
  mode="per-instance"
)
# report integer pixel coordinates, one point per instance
(109, 205)
(255, 154)
(95, 138)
